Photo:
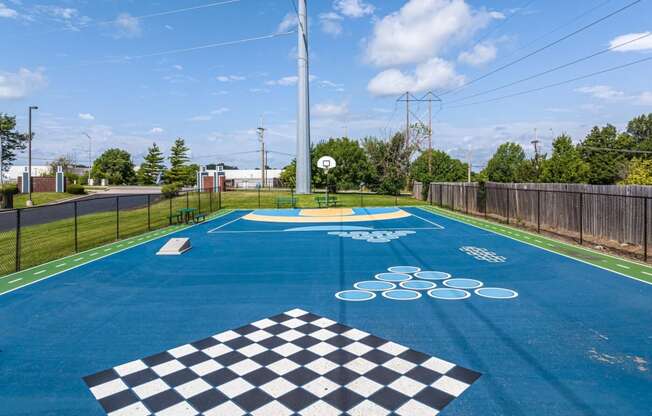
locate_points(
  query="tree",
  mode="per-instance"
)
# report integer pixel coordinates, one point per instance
(115, 166)
(605, 167)
(444, 168)
(640, 129)
(506, 165)
(178, 172)
(639, 172)
(566, 164)
(388, 160)
(352, 164)
(11, 140)
(288, 176)
(152, 166)
(65, 161)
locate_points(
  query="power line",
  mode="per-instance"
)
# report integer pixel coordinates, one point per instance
(498, 27)
(644, 152)
(566, 65)
(543, 48)
(556, 84)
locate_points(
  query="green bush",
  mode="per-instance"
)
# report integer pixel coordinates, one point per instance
(171, 190)
(75, 189)
(7, 195)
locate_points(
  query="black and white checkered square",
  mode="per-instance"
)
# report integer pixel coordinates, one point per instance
(295, 363)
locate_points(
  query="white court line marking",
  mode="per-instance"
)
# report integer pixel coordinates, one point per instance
(39, 272)
(60, 265)
(623, 266)
(107, 249)
(15, 280)
(225, 224)
(79, 259)
(440, 227)
(320, 231)
(649, 274)
(93, 254)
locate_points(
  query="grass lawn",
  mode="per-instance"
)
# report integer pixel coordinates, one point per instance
(46, 242)
(40, 198)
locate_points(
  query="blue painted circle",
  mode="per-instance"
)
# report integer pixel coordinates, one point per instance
(404, 269)
(496, 293)
(374, 285)
(417, 285)
(448, 294)
(355, 295)
(401, 294)
(430, 275)
(463, 283)
(393, 277)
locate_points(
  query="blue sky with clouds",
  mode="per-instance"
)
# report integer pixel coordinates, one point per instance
(132, 72)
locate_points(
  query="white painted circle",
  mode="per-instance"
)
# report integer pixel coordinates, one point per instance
(401, 294)
(463, 283)
(355, 295)
(418, 285)
(432, 275)
(374, 285)
(448, 294)
(404, 269)
(393, 277)
(496, 293)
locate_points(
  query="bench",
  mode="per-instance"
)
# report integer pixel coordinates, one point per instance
(199, 218)
(286, 201)
(175, 218)
(323, 201)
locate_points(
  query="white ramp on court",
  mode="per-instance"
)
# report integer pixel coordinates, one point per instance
(175, 247)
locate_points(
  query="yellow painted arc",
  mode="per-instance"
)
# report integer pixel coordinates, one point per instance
(326, 219)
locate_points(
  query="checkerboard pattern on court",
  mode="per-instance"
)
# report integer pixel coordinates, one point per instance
(295, 363)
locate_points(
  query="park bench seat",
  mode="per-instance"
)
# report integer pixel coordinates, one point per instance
(286, 201)
(323, 201)
(199, 218)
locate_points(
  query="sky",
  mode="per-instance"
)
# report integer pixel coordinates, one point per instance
(132, 72)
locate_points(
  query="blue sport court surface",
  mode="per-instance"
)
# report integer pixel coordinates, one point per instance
(327, 312)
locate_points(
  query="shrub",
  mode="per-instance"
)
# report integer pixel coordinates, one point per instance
(75, 189)
(7, 195)
(171, 190)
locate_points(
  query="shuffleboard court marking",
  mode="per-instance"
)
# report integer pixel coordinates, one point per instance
(486, 225)
(441, 227)
(40, 272)
(111, 248)
(315, 231)
(224, 225)
(15, 280)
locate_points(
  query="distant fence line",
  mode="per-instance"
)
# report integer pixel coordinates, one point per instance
(610, 215)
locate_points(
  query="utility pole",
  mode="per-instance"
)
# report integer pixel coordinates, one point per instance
(407, 97)
(29, 174)
(536, 142)
(2, 170)
(90, 158)
(429, 98)
(303, 178)
(261, 139)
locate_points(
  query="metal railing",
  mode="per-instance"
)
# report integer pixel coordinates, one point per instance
(620, 222)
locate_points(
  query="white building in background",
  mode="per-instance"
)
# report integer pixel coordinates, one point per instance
(251, 178)
(17, 170)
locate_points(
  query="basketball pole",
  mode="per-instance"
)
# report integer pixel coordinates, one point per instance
(303, 174)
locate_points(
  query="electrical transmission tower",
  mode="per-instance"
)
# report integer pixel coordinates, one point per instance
(429, 97)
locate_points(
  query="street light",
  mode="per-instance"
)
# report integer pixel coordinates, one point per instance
(90, 159)
(29, 174)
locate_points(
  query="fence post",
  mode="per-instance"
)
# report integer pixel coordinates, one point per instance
(581, 218)
(210, 200)
(17, 240)
(539, 211)
(170, 214)
(645, 227)
(149, 213)
(199, 201)
(219, 199)
(258, 197)
(486, 197)
(117, 218)
(187, 200)
(76, 245)
(361, 200)
(466, 198)
(507, 205)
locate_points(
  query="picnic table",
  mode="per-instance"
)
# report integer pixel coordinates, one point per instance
(326, 201)
(287, 201)
(187, 214)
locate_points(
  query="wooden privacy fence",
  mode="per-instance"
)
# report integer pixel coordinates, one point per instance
(610, 215)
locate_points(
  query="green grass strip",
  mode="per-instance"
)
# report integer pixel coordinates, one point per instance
(614, 264)
(35, 274)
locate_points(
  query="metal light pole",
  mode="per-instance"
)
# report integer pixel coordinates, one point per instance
(29, 174)
(90, 158)
(303, 178)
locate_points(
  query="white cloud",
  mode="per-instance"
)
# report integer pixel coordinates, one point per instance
(86, 116)
(259, 90)
(432, 74)
(481, 54)
(353, 8)
(230, 78)
(200, 118)
(330, 109)
(156, 130)
(287, 81)
(421, 29)
(178, 67)
(331, 23)
(127, 26)
(607, 93)
(289, 22)
(220, 111)
(7, 12)
(15, 85)
(644, 44)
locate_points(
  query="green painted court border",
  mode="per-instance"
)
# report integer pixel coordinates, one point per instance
(17, 280)
(618, 265)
